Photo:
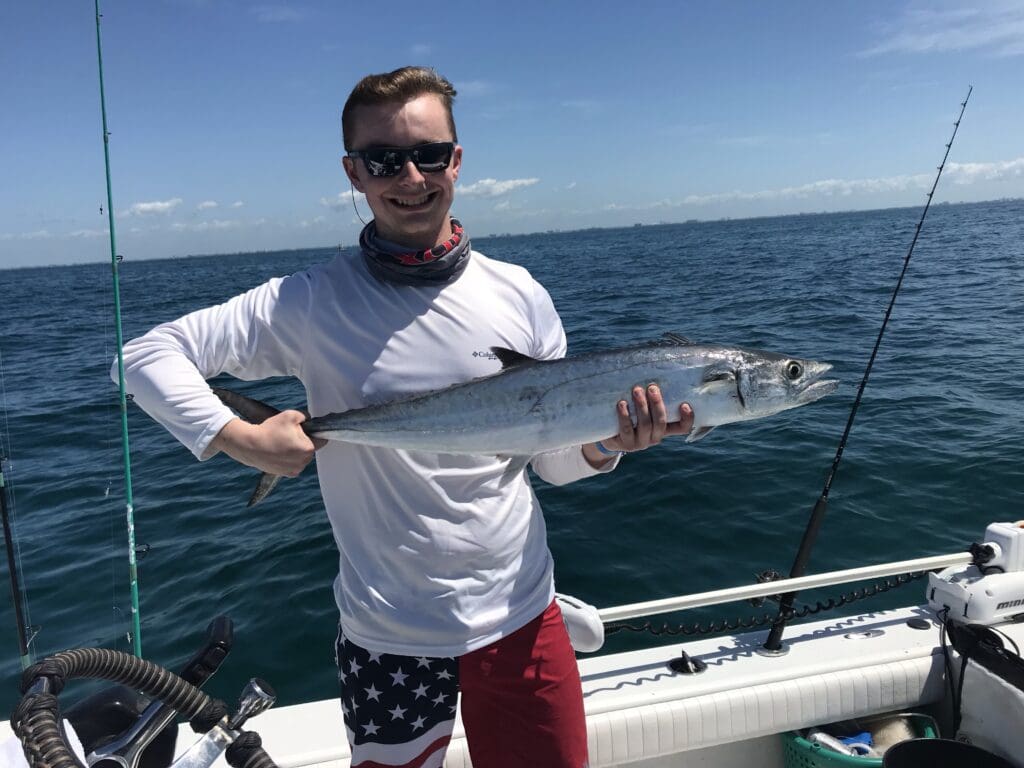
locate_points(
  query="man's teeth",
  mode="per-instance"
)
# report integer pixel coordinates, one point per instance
(411, 201)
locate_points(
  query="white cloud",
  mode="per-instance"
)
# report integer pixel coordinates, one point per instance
(307, 223)
(237, 204)
(342, 200)
(89, 233)
(206, 205)
(493, 187)
(956, 173)
(968, 173)
(822, 188)
(275, 14)
(154, 207)
(39, 234)
(744, 141)
(571, 185)
(995, 28)
(207, 226)
(504, 205)
(421, 49)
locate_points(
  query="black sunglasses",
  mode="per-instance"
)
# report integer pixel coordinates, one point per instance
(389, 161)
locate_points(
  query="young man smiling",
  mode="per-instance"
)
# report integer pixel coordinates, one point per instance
(445, 580)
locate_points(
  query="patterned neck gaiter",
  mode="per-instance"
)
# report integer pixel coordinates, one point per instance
(439, 265)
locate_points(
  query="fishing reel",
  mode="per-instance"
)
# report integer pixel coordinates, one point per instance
(121, 729)
(990, 589)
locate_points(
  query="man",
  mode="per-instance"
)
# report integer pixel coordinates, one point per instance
(445, 580)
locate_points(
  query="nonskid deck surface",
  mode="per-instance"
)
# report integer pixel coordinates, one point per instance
(640, 713)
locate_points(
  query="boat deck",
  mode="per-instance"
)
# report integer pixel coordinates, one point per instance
(642, 714)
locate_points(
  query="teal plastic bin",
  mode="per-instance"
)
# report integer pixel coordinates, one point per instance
(801, 753)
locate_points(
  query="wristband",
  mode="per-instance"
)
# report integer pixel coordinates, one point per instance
(605, 451)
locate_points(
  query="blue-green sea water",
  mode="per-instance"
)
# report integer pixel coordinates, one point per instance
(936, 452)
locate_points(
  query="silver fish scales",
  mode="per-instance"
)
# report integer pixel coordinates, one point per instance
(533, 406)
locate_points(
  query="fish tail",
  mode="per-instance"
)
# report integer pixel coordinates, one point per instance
(266, 484)
(256, 412)
(249, 409)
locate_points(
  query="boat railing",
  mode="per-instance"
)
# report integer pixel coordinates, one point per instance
(781, 586)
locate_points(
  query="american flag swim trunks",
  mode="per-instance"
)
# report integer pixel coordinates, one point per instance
(521, 695)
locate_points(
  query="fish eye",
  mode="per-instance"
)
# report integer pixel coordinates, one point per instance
(794, 370)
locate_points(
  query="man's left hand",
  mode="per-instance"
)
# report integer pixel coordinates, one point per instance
(652, 425)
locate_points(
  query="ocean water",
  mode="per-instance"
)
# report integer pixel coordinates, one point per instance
(934, 456)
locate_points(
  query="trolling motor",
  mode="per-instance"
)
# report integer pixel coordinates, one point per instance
(990, 589)
(148, 740)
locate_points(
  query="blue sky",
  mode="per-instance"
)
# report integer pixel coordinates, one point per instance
(225, 114)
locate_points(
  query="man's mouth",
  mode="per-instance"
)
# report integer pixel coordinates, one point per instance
(412, 202)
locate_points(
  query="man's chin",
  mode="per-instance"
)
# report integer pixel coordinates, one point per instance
(413, 236)
(414, 228)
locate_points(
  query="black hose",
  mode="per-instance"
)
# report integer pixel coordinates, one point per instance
(36, 720)
(246, 751)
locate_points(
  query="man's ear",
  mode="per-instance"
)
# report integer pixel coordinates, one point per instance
(456, 163)
(352, 171)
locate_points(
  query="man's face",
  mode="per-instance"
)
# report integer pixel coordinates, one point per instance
(412, 207)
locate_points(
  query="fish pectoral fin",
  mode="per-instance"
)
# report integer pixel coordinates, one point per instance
(698, 434)
(724, 382)
(516, 466)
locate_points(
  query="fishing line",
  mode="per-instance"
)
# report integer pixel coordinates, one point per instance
(774, 642)
(15, 567)
(105, 315)
(352, 191)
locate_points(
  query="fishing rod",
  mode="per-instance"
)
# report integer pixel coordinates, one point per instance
(774, 642)
(12, 567)
(114, 262)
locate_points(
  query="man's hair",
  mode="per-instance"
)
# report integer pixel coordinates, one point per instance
(396, 87)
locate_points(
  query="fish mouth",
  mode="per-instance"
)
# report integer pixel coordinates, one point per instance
(816, 387)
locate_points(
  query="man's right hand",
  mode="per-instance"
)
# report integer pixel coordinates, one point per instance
(278, 445)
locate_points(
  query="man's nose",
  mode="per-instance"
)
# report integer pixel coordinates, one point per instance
(411, 173)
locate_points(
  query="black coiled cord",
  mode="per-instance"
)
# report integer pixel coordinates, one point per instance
(766, 619)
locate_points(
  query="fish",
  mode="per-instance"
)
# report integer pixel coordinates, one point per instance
(532, 406)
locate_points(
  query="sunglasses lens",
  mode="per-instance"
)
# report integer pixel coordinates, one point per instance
(388, 161)
(383, 162)
(432, 157)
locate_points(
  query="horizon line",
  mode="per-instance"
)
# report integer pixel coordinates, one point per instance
(496, 236)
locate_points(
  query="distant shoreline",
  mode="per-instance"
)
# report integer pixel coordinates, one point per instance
(544, 233)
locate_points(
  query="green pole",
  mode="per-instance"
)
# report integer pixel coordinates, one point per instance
(129, 507)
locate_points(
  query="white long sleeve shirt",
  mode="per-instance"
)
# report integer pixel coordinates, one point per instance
(437, 556)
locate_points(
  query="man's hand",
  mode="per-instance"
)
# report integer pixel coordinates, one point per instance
(278, 445)
(651, 428)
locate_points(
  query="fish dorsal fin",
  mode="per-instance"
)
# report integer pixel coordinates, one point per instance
(670, 340)
(509, 357)
(676, 338)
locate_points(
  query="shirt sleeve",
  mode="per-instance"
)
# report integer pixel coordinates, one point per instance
(252, 336)
(565, 465)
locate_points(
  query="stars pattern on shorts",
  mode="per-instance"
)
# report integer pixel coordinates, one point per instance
(391, 699)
